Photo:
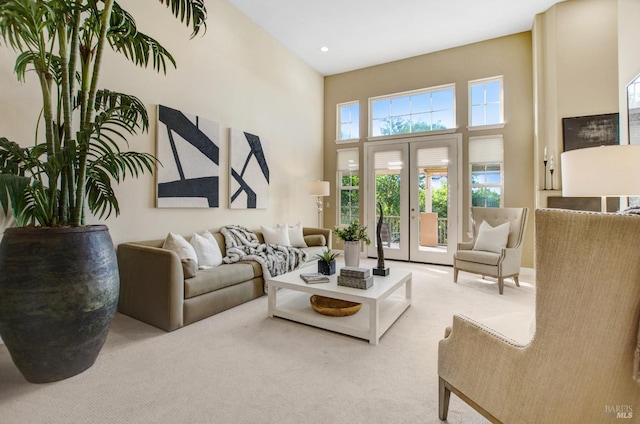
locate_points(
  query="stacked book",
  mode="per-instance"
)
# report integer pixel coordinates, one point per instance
(359, 278)
(314, 278)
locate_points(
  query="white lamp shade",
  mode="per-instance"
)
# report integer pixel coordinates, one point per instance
(601, 171)
(319, 188)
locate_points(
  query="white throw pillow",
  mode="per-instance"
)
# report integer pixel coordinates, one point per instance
(295, 235)
(207, 249)
(181, 246)
(492, 239)
(278, 235)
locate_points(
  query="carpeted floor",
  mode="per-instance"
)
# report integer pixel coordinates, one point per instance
(242, 367)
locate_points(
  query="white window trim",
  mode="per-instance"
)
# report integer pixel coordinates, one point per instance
(412, 135)
(339, 123)
(410, 93)
(501, 162)
(486, 127)
(339, 187)
(500, 186)
(351, 140)
(485, 81)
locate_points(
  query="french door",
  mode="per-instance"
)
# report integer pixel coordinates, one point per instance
(415, 182)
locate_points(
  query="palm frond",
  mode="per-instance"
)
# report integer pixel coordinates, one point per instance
(21, 161)
(124, 37)
(24, 22)
(115, 166)
(123, 108)
(12, 196)
(190, 12)
(101, 198)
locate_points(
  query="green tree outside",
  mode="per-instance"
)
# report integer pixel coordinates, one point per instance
(397, 125)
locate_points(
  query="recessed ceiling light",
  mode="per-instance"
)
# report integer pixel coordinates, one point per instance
(324, 49)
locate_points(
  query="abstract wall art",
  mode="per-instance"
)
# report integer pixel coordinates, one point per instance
(590, 131)
(248, 171)
(188, 149)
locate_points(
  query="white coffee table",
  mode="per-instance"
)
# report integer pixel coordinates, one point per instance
(382, 304)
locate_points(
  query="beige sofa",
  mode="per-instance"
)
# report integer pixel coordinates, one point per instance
(153, 288)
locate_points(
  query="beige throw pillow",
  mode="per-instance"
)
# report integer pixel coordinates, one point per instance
(278, 235)
(178, 244)
(492, 239)
(296, 237)
(189, 268)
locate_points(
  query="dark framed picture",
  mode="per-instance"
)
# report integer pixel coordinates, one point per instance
(590, 131)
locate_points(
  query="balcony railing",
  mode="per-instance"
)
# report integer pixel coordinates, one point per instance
(394, 229)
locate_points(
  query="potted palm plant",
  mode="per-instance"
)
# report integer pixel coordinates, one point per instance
(59, 281)
(353, 235)
(327, 261)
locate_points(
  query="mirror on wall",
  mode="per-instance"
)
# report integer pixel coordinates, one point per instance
(633, 114)
(633, 110)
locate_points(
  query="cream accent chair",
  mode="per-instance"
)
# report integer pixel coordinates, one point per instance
(578, 367)
(499, 265)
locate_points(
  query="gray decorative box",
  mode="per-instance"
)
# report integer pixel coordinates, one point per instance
(356, 283)
(353, 272)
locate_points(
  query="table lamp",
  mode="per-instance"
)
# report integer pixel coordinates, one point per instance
(604, 171)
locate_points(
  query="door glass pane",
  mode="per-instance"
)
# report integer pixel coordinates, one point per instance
(433, 199)
(387, 193)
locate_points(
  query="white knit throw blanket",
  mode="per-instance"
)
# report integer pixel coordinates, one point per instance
(242, 245)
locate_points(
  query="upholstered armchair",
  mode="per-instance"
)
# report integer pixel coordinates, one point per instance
(579, 367)
(495, 251)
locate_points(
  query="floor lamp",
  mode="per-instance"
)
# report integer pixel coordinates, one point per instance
(319, 189)
(604, 171)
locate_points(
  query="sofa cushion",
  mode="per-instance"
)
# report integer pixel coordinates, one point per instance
(478, 256)
(208, 280)
(257, 268)
(312, 251)
(315, 240)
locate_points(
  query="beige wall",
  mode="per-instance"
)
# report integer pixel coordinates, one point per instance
(507, 56)
(237, 75)
(576, 71)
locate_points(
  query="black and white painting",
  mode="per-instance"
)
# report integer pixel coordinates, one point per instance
(188, 149)
(248, 171)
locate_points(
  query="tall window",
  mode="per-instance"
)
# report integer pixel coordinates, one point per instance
(348, 121)
(485, 161)
(348, 186)
(485, 102)
(430, 109)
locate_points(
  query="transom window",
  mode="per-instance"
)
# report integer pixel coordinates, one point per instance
(425, 110)
(485, 102)
(348, 121)
(485, 160)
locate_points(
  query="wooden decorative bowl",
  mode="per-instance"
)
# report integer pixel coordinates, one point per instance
(333, 307)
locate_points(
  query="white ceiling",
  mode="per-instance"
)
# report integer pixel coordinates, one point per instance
(361, 33)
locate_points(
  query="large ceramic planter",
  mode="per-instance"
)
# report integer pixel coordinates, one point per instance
(58, 295)
(352, 253)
